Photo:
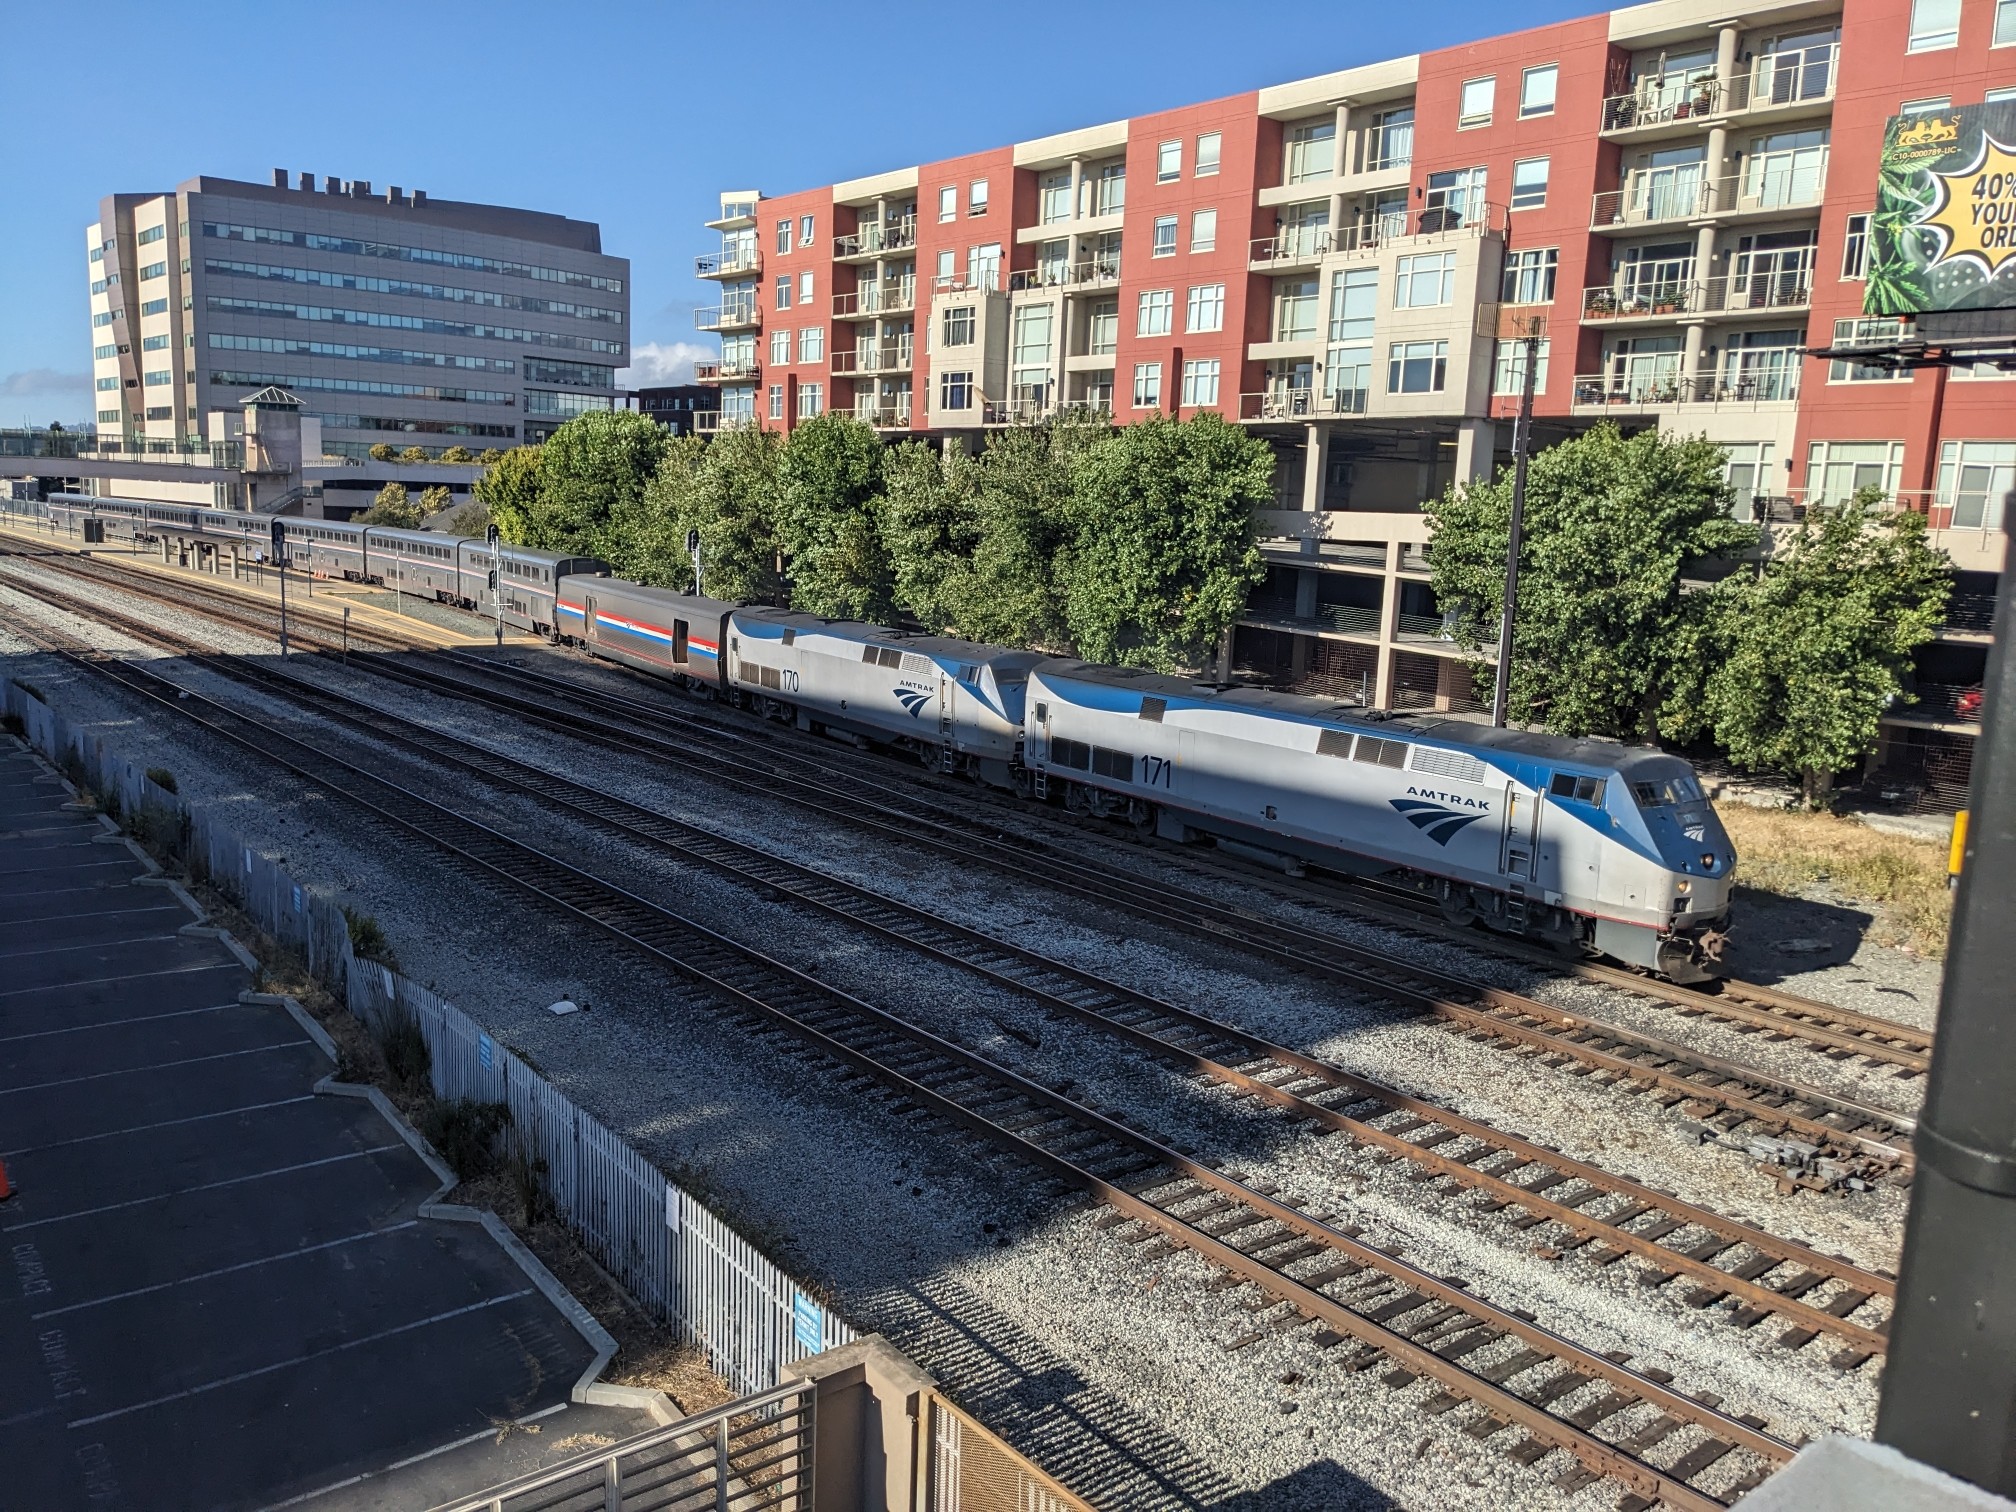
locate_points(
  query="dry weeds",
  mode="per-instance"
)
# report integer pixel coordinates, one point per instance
(1901, 879)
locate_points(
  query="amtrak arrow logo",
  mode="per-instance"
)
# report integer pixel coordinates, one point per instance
(912, 700)
(1436, 822)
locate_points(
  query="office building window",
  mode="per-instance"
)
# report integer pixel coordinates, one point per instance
(812, 344)
(151, 234)
(1154, 311)
(948, 203)
(158, 307)
(783, 235)
(1147, 385)
(1475, 109)
(156, 380)
(1529, 183)
(108, 417)
(1310, 149)
(104, 317)
(805, 230)
(152, 344)
(1934, 24)
(1164, 244)
(805, 288)
(1208, 147)
(160, 412)
(107, 384)
(780, 349)
(1416, 367)
(154, 270)
(1529, 276)
(958, 324)
(955, 391)
(1168, 162)
(784, 291)
(1855, 248)
(1207, 308)
(811, 400)
(1426, 279)
(1508, 369)
(1203, 230)
(1536, 90)
(99, 354)
(976, 197)
(1200, 382)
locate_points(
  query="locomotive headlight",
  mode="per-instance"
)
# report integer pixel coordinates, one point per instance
(1708, 861)
(1683, 886)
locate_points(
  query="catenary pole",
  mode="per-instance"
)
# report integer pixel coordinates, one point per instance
(1949, 1387)
(1522, 435)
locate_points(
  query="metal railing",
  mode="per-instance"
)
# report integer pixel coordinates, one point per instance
(883, 416)
(984, 279)
(872, 238)
(892, 296)
(1100, 272)
(1422, 627)
(727, 317)
(1633, 391)
(749, 1454)
(1776, 80)
(1302, 403)
(1656, 195)
(884, 357)
(1725, 293)
(728, 370)
(1288, 248)
(1802, 77)
(727, 262)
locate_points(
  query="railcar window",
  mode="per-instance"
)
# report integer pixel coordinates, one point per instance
(1581, 789)
(1074, 754)
(1334, 743)
(1386, 753)
(1119, 765)
(1152, 710)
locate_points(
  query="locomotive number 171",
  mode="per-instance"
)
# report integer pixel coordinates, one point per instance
(1155, 771)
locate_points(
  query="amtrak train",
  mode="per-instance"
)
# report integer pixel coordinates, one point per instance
(1589, 845)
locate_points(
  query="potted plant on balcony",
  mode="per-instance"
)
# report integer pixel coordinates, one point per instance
(1667, 299)
(1602, 304)
(1704, 96)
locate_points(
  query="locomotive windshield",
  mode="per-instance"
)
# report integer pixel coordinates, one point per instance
(1681, 788)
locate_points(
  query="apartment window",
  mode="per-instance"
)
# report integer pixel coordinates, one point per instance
(2005, 32)
(812, 344)
(1865, 331)
(947, 261)
(149, 344)
(1207, 308)
(1748, 474)
(958, 326)
(1154, 312)
(1168, 162)
(776, 393)
(1147, 385)
(1310, 151)
(805, 288)
(1200, 382)
(784, 291)
(1416, 367)
(1164, 244)
(1529, 276)
(1203, 230)
(1475, 108)
(983, 265)
(1975, 480)
(1109, 189)
(976, 197)
(1838, 470)
(154, 270)
(1053, 198)
(1925, 107)
(805, 230)
(780, 349)
(811, 400)
(948, 203)
(1103, 333)
(1529, 183)
(1208, 147)
(1294, 309)
(157, 380)
(955, 391)
(1029, 345)
(1508, 369)
(1536, 90)
(1426, 279)
(1455, 198)
(1347, 369)
(1855, 248)
(783, 236)
(1391, 141)
(1934, 24)
(2000, 96)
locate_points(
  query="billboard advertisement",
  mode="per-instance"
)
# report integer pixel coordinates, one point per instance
(1944, 233)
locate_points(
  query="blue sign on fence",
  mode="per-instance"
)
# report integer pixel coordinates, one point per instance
(808, 1321)
(297, 899)
(486, 1050)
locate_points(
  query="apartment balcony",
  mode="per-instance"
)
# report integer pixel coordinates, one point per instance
(738, 370)
(884, 416)
(1628, 392)
(891, 297)
(1288, 251)
(1099, 273)
(1661, 196)
(735, 215)
(886, 357)
(729, 317)
(744, 262)
(1288, 403)
(876, 239)
(1278, 611)
(1678, 104)
(982, 280)
(1757, 293)
(1436, 223)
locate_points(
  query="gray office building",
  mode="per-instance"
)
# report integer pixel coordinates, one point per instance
(395, 317)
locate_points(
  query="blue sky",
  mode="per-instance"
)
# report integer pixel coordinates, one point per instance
(635, 116)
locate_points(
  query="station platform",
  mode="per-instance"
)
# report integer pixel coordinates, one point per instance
(220, 1292)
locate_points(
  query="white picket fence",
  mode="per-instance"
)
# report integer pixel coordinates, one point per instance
(678, 1258)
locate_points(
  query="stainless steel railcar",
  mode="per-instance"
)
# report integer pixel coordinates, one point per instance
(668, 634)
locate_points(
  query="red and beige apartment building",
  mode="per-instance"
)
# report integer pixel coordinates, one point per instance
(1674, 198)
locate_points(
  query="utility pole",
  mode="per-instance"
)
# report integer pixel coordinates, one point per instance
(1522, 440)
(1949, 1388)
(280, 561)
(492, 538)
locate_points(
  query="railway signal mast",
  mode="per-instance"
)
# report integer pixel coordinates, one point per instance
(492, 538)
(280, 561)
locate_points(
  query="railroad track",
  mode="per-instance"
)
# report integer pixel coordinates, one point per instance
(1594, 1213)
(1848, 1140)
(1518, 1383)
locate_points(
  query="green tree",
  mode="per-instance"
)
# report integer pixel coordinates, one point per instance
(828, 519)
(458, 453)
(491, 456)
(930, 529)
(1164, 551)
(434, 500)
(1024, 514)
(383, 452)
(1605, 627)
(510, 491)
(726, 489)
(595, 464)
(413, 454)
(1810, 650)
(471, 519)
(392, 507)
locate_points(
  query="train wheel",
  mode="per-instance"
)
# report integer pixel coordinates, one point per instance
(1141, 816)
(1457, 910)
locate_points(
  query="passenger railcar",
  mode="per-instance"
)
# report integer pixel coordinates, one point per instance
(668, 634)
(1586, 843)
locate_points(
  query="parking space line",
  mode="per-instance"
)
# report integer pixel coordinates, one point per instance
(9, 1039)
(412, 1459)
(208, 1186)
(166, 1123)
(130, 976)
(306, 1359)
(194, 1060)
(48, 950)
(224, 1270)
(170, 906)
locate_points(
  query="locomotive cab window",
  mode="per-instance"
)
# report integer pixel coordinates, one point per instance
(1581, 789)
(1682, 789)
